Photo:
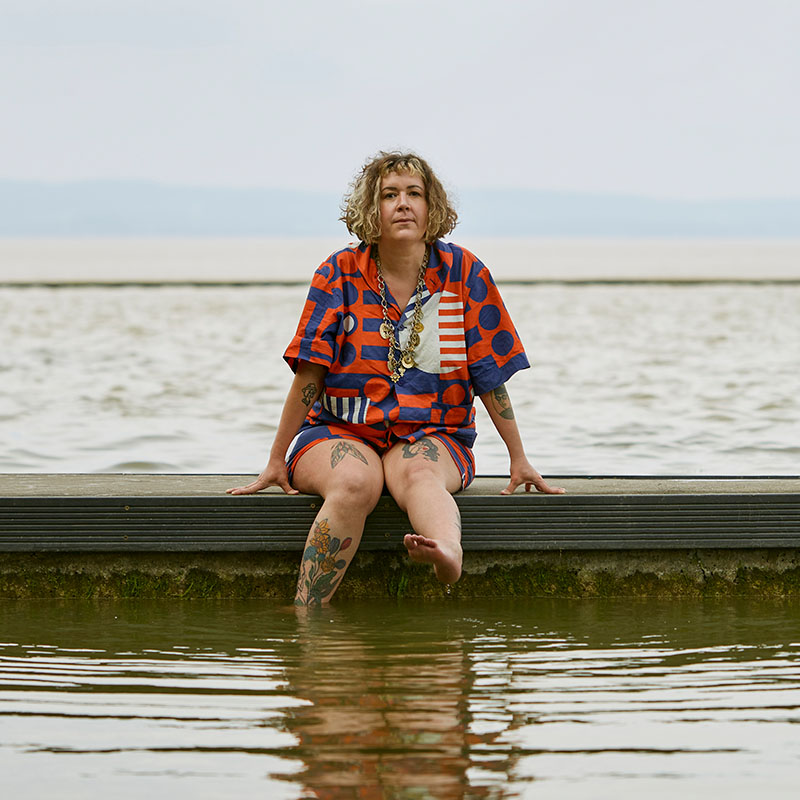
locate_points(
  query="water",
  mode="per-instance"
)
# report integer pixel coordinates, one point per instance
(490, 699)
(456, 699)
(286, 260)
(627, 379)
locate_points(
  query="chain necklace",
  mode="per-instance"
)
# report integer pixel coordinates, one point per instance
(401, 359)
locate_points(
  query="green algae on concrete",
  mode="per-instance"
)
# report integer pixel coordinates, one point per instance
(664, 574)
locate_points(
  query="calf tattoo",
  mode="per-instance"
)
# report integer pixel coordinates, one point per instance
(502, 403)
(309, 392)
(344, 448)
(321, 568)
(424, 447)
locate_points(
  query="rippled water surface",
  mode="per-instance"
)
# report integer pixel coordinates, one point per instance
(627, 379)
(494, 699)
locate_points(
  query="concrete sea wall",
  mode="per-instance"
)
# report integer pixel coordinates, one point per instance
(135, 536)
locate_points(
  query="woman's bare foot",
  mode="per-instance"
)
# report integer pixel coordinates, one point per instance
(446, 563)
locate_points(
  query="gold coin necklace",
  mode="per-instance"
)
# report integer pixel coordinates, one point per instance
(401, 359)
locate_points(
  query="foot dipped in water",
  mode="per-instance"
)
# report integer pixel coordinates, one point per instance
(445, 559)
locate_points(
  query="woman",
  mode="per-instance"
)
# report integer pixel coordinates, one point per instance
(396, 337)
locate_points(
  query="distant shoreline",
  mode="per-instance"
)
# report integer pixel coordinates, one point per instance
(211, 284)
(171, 261)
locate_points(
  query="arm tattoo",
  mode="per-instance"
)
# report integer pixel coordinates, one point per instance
(344, 448)
(425, 447)
(309, 393)
(502, 403)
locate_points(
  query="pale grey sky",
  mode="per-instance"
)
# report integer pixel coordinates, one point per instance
(666, 98)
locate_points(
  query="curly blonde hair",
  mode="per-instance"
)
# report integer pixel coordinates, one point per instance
(361, 205)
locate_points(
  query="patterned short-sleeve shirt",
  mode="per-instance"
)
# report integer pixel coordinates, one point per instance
(468, 346)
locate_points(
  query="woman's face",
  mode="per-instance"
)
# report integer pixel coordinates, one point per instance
(403, 207)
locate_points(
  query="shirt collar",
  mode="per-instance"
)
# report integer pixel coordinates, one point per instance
(439, 261)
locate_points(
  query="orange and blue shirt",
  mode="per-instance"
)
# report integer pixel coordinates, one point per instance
(468, 346)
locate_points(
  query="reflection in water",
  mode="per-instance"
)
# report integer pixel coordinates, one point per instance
(388, 713)
(493, 699)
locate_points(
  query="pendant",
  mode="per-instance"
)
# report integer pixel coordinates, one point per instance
(419, 327)
(385, 330)
(408, 361)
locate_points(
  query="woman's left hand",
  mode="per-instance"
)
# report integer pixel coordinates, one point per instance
(523, 472)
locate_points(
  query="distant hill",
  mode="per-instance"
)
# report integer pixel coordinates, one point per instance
(132, 208)
(530, 213)
(129, 208)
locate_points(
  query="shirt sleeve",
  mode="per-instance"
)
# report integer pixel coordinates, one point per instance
(316, 337)
(494, 349)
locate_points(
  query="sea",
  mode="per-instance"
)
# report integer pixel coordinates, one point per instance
(649, 357)
(538, 699)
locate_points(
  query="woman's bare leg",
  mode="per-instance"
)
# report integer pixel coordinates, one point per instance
(422, 477)
(349, 477)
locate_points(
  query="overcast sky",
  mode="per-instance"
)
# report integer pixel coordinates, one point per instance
(665, 98)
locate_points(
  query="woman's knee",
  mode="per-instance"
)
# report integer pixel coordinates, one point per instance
(357, 490)
(411, 478)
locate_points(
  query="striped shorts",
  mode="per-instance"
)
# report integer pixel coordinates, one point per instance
(310, 435)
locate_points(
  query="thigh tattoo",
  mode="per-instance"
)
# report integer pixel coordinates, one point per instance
(344, 448)
(424, 447)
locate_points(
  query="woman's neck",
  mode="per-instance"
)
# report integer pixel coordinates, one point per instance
(401, 260)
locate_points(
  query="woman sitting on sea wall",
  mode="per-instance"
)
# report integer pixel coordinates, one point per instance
(398, 335)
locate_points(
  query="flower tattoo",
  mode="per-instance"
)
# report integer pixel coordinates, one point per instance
(321, 568)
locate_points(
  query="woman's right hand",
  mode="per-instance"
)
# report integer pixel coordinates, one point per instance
(273, 475)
